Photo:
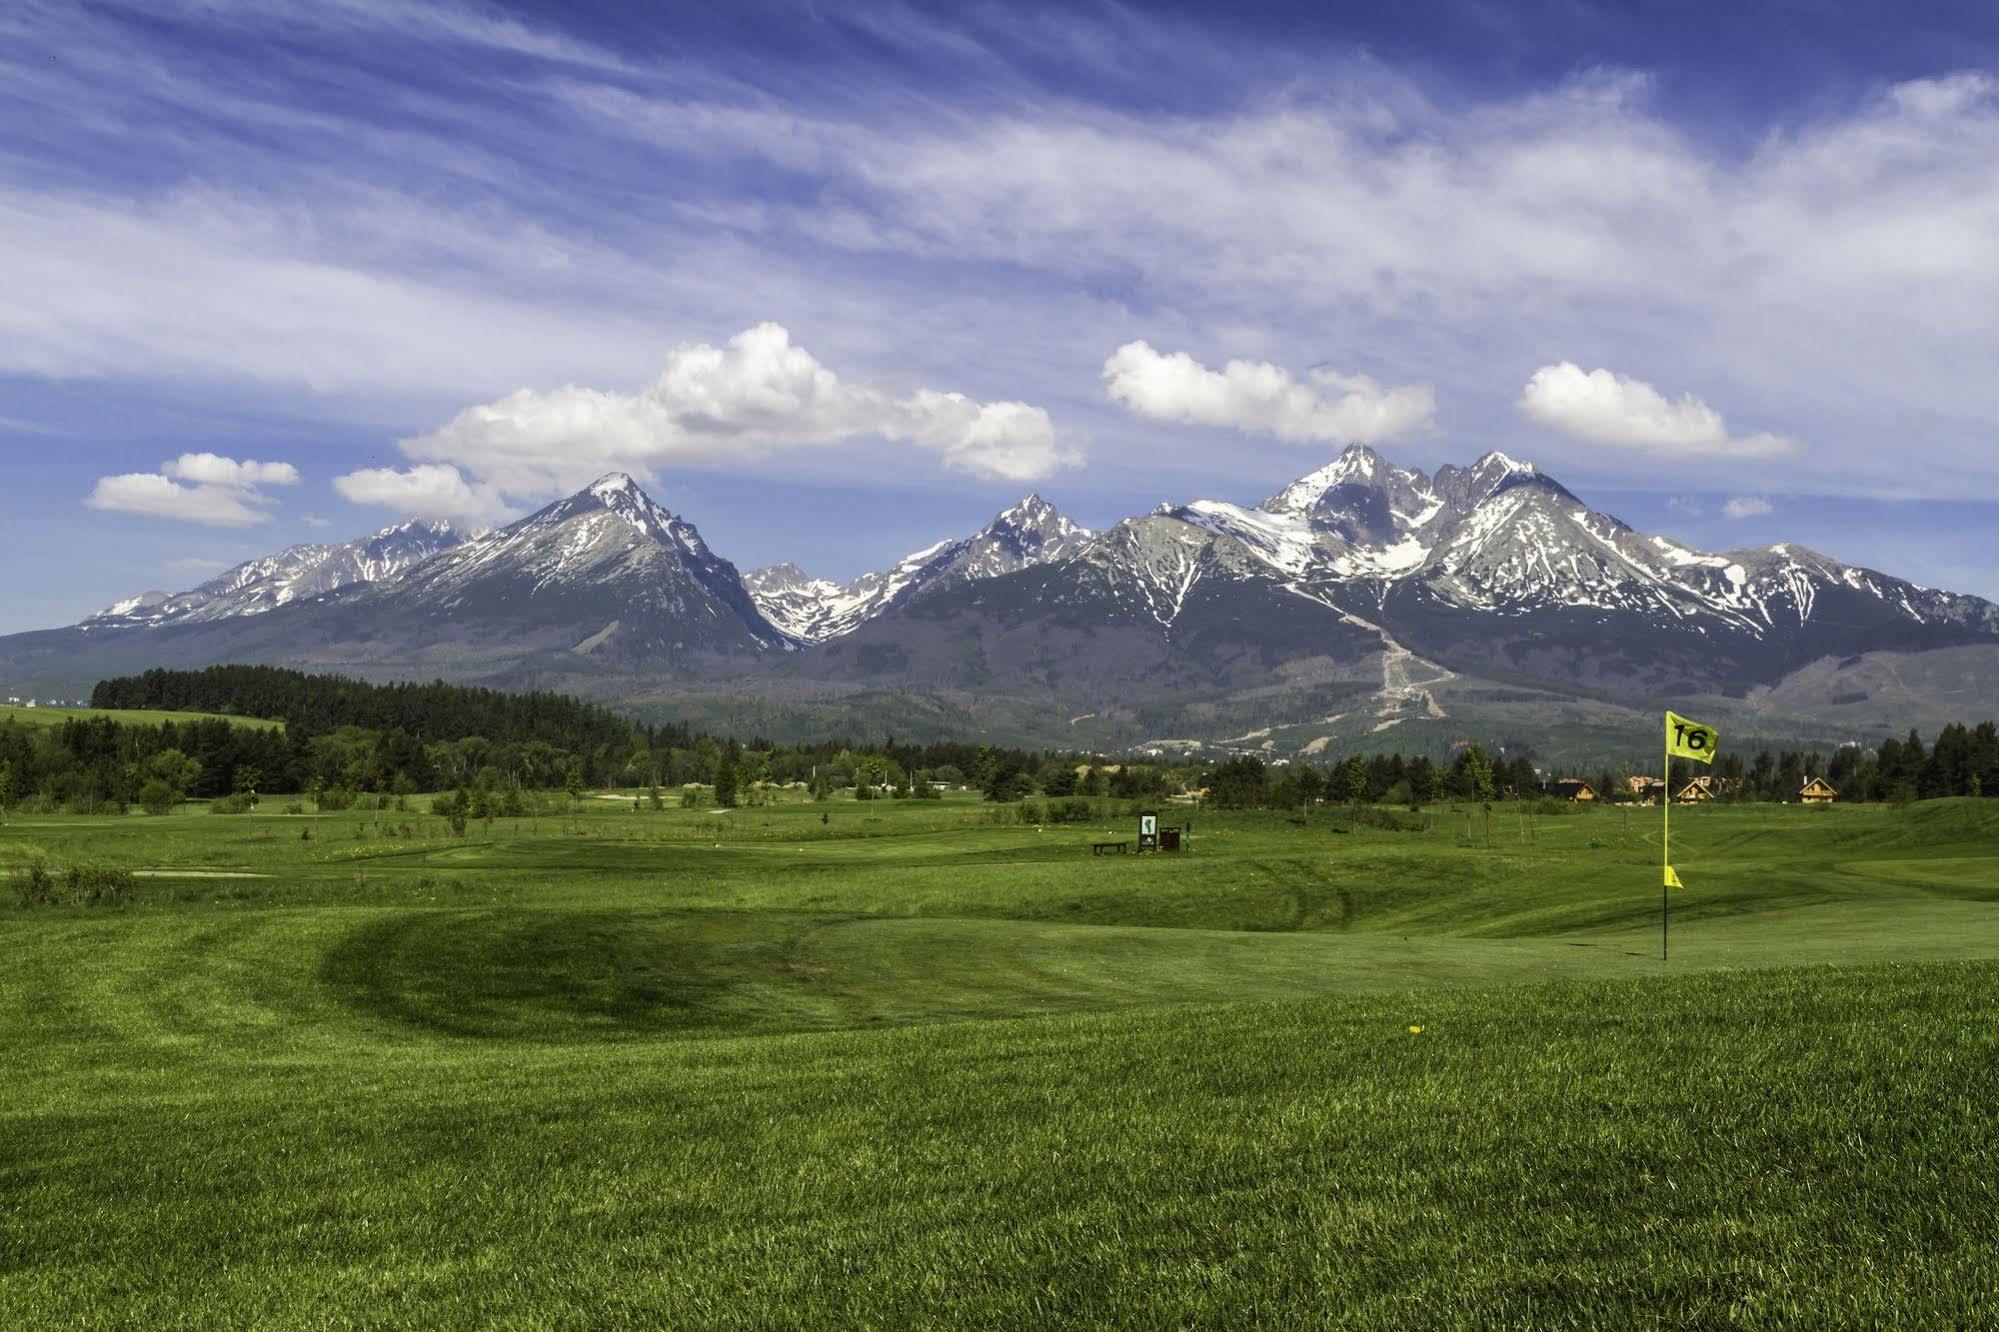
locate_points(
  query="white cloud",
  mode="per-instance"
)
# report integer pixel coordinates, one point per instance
(196, 565)
(1686, 504)
(314, 520)
(1262, 398)
(429, 490)
(758, 394)
(1746, 506)
(219, 492)
(1836, 267)
(1603, 407)
(209, 469)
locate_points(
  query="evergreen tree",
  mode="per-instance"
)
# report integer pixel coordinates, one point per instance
(725, 783)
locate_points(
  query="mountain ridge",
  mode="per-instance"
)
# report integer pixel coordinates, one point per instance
(1363, 595)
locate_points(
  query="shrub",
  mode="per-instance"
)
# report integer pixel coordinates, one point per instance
(1550, 805)
(156, 797)
(91, 803)
(242, 802)
(1374, 816)
(1075, 809)
(79, 885)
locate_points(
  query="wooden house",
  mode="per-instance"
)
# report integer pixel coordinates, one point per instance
(1817, 791)
(1648, 790)
(1699, 789)
(1575, 789)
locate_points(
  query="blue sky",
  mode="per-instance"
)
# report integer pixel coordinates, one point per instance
(838, 280)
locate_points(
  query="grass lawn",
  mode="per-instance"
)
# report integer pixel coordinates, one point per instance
(124, 716)
(896, 1064)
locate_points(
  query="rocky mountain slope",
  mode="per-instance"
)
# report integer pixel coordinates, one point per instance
(814, 610)
(1367, 572)
(293, 574)
(1362, 597)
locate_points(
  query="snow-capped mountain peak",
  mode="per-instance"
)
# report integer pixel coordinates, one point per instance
(293, 574)
(812, 610)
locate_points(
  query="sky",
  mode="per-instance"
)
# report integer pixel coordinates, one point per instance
(837, 280)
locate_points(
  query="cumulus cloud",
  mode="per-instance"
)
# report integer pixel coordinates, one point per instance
(759, 393)
(429, 490)
(203, 488)
(1603, 407)
(1262, 398)
(209, 469)
(1746, 506)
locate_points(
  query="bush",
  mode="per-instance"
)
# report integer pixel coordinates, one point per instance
(1550, 805)
(240, 803)
(1072, 810)
(334, 799)
(1374, 816)
(156, 797)
(79, 885)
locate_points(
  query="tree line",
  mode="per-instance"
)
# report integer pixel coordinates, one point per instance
(344, 738)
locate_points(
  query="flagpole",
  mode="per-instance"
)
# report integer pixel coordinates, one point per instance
(1665, 840)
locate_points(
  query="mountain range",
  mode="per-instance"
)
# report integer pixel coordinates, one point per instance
(1486, 601)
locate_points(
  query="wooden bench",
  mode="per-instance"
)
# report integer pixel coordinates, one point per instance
(1102, 848)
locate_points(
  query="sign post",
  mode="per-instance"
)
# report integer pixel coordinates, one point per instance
(1148, 831)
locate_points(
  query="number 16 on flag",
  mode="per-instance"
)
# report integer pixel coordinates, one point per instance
(1689, 739)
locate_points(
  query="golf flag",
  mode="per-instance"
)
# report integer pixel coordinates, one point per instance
(1689, 739)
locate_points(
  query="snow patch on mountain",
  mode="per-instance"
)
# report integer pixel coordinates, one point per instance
(293, 574)
(813, 610)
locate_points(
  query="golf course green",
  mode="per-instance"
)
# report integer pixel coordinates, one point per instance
(927, 1063)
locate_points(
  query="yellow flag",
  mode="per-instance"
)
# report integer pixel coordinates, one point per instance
(1688, 739)
(1673, 878)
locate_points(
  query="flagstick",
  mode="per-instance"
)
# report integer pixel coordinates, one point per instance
(1665, 845)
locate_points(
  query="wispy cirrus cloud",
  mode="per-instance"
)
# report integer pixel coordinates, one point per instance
(1747, 506)
(546, 209)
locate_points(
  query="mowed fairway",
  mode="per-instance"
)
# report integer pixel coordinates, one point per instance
(124, 717)
(892, 1064)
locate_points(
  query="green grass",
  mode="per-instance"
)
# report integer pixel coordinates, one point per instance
(124, 717)
(905, 1067)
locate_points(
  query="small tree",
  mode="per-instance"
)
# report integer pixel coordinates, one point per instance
(573, 783)
(725, 784)
(1354, 778)
(177, 770)
(7, 788)
(1478, 769)
(156, 797)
